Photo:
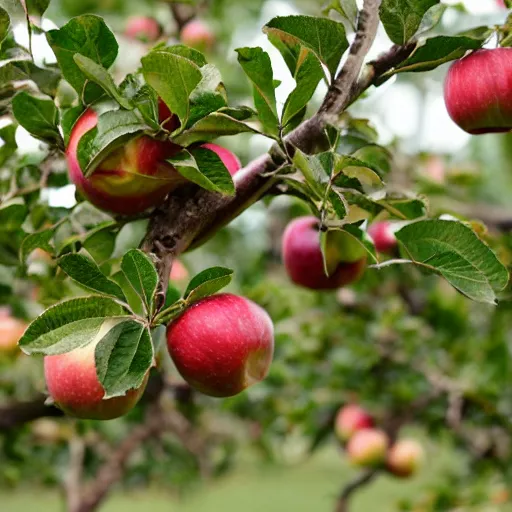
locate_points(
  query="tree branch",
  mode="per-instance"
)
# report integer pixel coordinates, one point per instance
(17, 414)
(192, 215)
(360, 481)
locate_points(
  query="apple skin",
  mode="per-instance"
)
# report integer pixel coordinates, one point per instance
(222, 344)
(383, 237)
(198, 35)
(11, 330)
(350, 419)
(405, 457)
(143, 28)
(229, 159)
(303, 259)
(131, 179)
(74, 386)
(368, 447)
(478, 91)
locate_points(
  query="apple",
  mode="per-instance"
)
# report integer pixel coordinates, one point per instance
(74, 386)
(197, 34)
(368, 447)
(11, 330)
(383, 237)
(350, 419)
(178, 271)
(478, 91)
(229, 159)
(405, 457)
(222, 344)
(303, 258)
(131, 179)
(143, 28)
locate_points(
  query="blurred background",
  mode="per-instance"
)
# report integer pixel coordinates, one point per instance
(272, 448)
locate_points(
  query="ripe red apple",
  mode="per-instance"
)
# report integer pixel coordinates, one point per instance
(350, 419)
(229, 159)
(383, 237)
(303, 259)
(131, 179)
(368, 447)
(11, 330)
(478, 91)
(74, 386)
(143, 28)
(405, 457)
(197, 34)
(222, 344)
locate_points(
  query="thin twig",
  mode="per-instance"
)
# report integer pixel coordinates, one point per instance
(361, 480)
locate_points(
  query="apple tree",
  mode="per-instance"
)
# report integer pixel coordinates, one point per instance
(138, 141)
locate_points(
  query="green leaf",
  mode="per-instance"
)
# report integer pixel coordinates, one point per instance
(454, 251)
(38, 116)
(89, 36)
(402, 18)
(85, 272)
(174, 78)
(69, 118)
(69, 325)
(12, 215)
(257, 66)
(142, 275)
(207, 283)
(47, 80)
(404, 207)
(35, 7)
(436, 51)
(347, 8)
(325, 38)
(98, 74)
(39, 240)
(211, 127)
(5, 24)
(114, 129)
(123, 358)
(9, 144)
(204, 167)
(185, 51)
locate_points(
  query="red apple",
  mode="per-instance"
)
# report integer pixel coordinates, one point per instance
(74, 386)
(230, 160)
(169, 121)
(198, 35)
(144, 28)
(383, 237)
(368, 447)
(11, 330)
(222, 344)
(405, 457)
(478, 91)
(303, 259)
(131, 179)
(350, 419)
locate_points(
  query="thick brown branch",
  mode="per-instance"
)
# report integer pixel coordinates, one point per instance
(17, 414)
(182, 14)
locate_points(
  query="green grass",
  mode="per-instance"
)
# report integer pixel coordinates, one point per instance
(305, 487)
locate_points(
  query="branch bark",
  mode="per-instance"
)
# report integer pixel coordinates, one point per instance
(191, 216)
(17, 414)
(346, 493)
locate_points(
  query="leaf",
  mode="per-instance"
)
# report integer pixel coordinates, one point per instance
(207, 283)
(257, 66)
(436, 51)
(98, 74)
(123, 357)
(35, 7)
(402, 18)
(174, 78)
(69, 118)
(38, 116)
(39, 240)
(142, 275)
(47, 80)
(185, 51)
(454, 251)
(211, 127)
(113, 130)
(89, 36)
(68, 325)
(347, 8)
(12, 215)
(205, 168)
(5, 24)
(85, 272)
(325, 38)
